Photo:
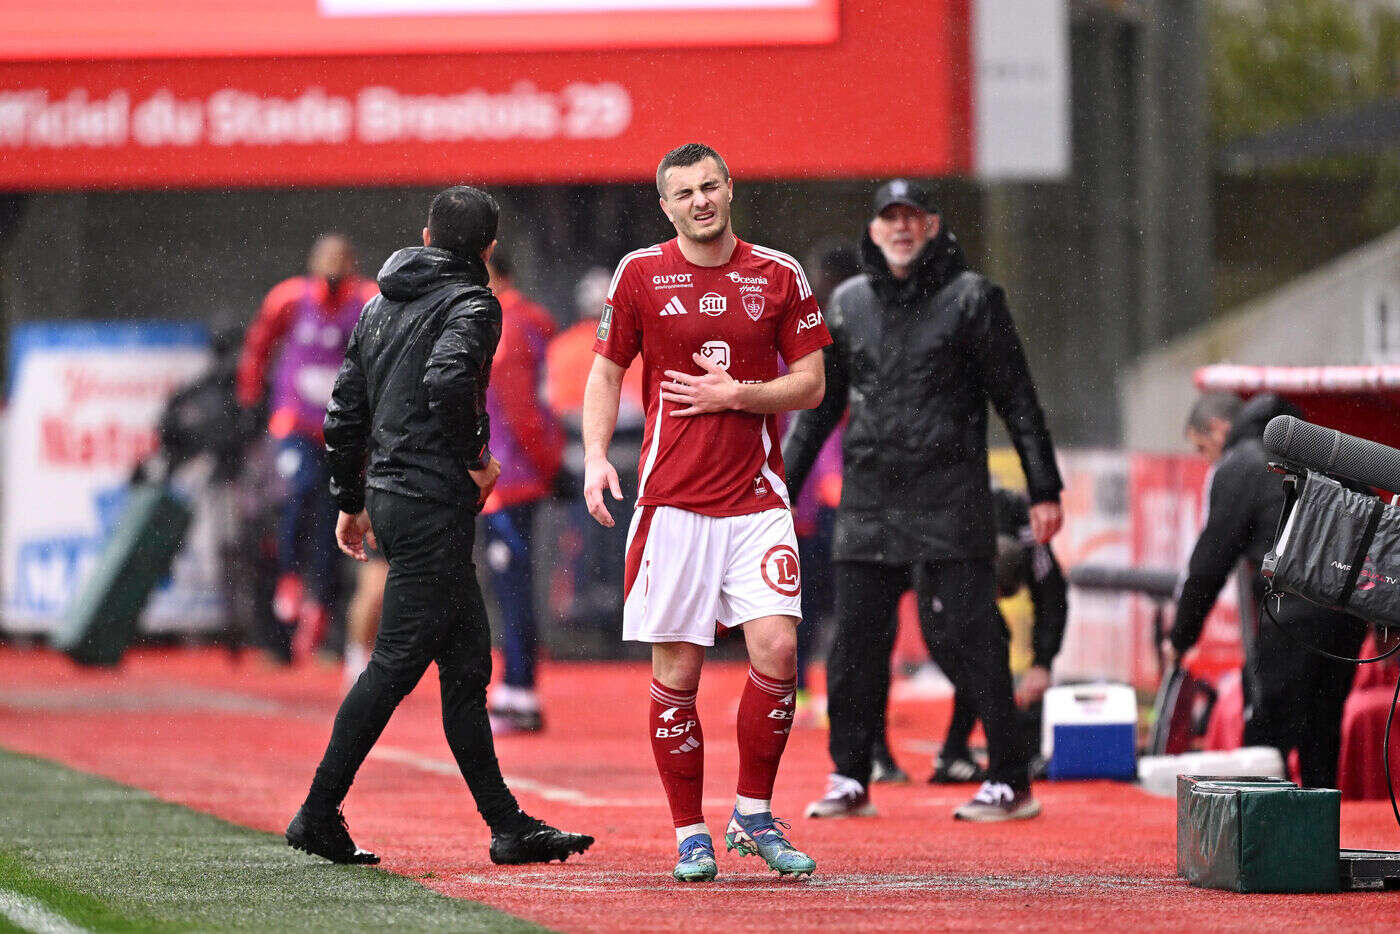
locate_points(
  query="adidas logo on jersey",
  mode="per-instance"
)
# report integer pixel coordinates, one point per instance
(673, 307)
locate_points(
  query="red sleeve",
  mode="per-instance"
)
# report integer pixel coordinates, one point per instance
(801, 330)
(264, 335)
(619, 330)
(367, 290)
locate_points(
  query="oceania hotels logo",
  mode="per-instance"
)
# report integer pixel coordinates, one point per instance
(673, 280)
(748, 284)
(747, 280)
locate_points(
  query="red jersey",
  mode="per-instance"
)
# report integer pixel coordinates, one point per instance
(742, 315)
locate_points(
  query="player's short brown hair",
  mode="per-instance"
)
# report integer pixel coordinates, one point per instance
(689, 154)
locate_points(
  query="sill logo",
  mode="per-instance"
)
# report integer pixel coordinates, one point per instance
(713, 304)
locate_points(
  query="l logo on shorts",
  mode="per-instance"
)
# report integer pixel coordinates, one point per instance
(781, 570)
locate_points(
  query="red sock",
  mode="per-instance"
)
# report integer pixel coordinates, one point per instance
(765, 719)
(679, 748)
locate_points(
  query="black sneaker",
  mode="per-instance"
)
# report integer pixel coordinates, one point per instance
(996, 801)
(845, 797)
(508, 721)
(883, 769)
(537, 842)
(956, 771)
(328, 837)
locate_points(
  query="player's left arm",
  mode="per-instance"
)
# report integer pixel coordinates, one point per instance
(714, 390)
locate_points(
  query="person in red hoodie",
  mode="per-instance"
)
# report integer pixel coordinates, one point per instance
(291, 354)
(529, 444)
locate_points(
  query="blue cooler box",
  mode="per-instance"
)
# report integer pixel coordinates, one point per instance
(1090, 731)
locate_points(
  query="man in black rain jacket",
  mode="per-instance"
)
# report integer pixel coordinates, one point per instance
(409, 402)
(922, 344)
(1293, 696)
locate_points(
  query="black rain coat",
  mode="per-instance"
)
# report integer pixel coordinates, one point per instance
(408, 413)
(1242, 513)
(917, 361)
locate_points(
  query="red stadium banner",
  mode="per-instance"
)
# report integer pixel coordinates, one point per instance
(892, 94)
(86, 29)
(1168, 496)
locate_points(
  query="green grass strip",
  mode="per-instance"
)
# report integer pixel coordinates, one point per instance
(106, 857)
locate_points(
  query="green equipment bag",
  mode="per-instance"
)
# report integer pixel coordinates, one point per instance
(1184, 784)
(1261, 837)
(101, 622)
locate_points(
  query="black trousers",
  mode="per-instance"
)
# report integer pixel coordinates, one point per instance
(433, 612)
(958, 616)
(1301, 694)
(965, 718)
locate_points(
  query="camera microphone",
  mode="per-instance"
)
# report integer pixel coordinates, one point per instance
(1328, 451)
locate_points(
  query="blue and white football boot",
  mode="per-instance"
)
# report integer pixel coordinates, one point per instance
(761, 835)
(697, 862)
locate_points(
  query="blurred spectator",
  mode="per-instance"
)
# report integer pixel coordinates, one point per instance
(594, 553)
(292, 353)
(204, 419)
(526, 439)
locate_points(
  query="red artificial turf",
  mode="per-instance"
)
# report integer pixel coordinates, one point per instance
(240, 741)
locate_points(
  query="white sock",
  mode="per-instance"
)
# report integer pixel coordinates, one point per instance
(508, 697)
(690, 830)
(747, 806)
(356, 659)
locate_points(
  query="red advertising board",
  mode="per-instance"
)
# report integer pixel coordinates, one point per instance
(1168, 495)
(57, 29)
(890, 95)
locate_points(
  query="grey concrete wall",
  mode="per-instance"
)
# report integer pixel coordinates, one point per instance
(1329, 316)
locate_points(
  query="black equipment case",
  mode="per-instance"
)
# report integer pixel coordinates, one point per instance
(102, 620)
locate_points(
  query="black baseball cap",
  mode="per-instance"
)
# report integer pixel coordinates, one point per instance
(902, 191)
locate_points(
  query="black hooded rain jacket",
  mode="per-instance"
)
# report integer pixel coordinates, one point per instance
(408, 414)
(917, 361)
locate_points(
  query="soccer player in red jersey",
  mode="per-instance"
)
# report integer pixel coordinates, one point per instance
(712, 538)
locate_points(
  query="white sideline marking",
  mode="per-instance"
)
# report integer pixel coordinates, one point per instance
(608, 883)
(571, 796)
(32, 915)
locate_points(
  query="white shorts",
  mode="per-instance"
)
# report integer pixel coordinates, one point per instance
(686, 572)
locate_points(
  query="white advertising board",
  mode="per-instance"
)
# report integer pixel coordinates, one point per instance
(84, 402)
(1020, 52)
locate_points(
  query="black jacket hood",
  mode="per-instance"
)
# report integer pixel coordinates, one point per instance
(417, 270)
(1255, 414)
(940, 260)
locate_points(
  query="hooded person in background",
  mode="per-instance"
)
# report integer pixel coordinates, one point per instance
(1293, 696)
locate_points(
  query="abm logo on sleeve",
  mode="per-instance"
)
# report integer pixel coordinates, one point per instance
(605, 322)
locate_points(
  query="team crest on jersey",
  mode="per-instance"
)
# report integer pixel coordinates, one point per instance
(717, 352)
(713, 304)
(753, 304)
(605, 322)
